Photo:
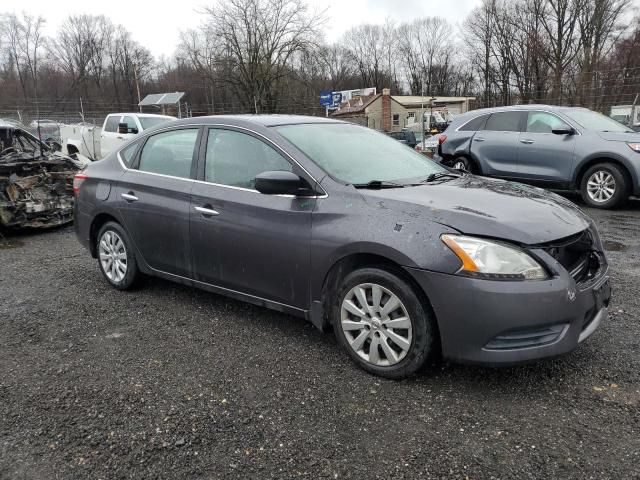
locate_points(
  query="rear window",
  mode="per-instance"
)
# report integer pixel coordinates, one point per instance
(111, 124)
(475, 124)
(504, 122)
(150, 122)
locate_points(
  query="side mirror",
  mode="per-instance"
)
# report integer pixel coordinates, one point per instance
(564, 130)
(279, 182)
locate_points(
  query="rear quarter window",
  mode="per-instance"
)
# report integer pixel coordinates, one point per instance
(128, 154)
(474, 125)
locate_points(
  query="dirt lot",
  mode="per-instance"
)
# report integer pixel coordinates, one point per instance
(171, 382)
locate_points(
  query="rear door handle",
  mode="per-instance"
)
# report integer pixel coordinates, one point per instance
(207, 211)
(478, 139)
(129, 197)
(526, 141)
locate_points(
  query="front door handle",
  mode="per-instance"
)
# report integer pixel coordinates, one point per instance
(207, 211)
(526, 141)
(129, 197)
(478, 139)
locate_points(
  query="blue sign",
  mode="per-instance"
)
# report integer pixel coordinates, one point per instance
(326, 98)
(337, 98)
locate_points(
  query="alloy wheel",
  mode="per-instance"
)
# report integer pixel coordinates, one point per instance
(459, 165)
(601, 186)
(376, 324)
(113, 256)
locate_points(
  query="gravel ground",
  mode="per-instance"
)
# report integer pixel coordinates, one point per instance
(172, 382)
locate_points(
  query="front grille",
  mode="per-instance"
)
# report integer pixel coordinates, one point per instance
(577, 254)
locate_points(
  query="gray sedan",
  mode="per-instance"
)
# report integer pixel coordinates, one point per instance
(343, 226)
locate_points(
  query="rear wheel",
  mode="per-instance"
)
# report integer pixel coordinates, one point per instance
(382, 324)
(604, 185)
(115, 256)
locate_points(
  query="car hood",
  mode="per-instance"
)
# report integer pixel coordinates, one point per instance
(486, 207)
(620, 136)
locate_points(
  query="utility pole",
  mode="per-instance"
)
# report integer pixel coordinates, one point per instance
(422, 112)
(135, 77)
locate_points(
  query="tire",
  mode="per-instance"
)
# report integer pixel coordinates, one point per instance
(400, 351)
(604, 185)
(116, 259)
(465, 163)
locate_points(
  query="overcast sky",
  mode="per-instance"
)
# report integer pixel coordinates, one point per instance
(156, 24)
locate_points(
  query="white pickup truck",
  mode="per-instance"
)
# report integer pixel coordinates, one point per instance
(95, 142)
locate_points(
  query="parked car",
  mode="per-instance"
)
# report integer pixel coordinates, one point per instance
(47, 130)
(118, 128)
(406, 137)
(44, 124)
(561, 148)
(36, 181)
(344, 226)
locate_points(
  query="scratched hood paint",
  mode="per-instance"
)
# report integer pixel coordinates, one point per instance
(486, 207)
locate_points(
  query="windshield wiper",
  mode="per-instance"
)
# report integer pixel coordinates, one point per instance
(437, 176)
(378, 184)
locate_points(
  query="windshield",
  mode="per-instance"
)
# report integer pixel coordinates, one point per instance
(150, 122)
(358, 155)
(595, 121)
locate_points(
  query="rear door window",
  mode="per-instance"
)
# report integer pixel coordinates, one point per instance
(504, 122)
(169, 153)
(111, 124)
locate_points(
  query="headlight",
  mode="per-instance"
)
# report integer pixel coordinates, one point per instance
(493, 260)
(634, 146)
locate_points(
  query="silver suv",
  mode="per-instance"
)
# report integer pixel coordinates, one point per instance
(560, 148)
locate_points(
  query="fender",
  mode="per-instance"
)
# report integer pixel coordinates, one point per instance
(604, 155)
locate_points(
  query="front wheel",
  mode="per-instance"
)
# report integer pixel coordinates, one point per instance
(604, 186)
(382, 324)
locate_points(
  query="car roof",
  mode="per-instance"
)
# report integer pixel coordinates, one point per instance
(260, 120)
(526, 107)
(465, 117)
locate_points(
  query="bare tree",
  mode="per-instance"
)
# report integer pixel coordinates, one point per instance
(425, 46)
(366, 43)
(24, 42)
(560, 22)
(479, 36)
(600, 28)
(258, 40)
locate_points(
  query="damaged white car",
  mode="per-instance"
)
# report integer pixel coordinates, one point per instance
(36, 180)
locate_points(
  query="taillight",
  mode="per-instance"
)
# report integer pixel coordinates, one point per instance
(78, 179)
(442, 139)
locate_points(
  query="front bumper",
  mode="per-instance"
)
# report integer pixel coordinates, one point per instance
(502, 323)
